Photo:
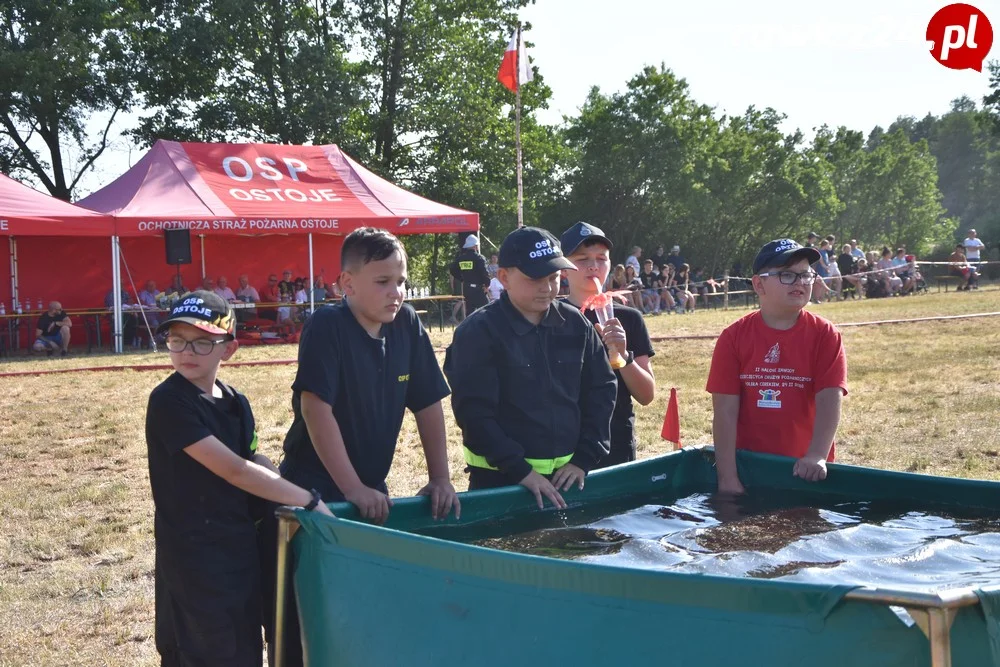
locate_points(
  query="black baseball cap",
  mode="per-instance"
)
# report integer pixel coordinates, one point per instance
(580, 232)
(203, 309)
(782, 252)
(533, 251)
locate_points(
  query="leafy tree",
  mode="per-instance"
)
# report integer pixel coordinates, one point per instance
(61, 64)
(273, 71)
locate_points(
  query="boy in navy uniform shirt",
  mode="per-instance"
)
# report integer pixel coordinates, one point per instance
(532, 387)
(362, 363)
(203, 468)
(587, 248)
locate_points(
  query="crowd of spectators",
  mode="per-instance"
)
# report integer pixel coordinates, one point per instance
(665, 283)
(284, 302)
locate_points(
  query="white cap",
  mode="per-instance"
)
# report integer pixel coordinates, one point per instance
(471, 241)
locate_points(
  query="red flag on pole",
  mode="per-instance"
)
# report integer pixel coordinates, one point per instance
(671, 430)
(514, 69)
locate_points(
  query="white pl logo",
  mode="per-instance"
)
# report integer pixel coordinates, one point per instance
(960, 37)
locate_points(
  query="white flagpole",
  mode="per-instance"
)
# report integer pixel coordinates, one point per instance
(517, 128)
(312, 278)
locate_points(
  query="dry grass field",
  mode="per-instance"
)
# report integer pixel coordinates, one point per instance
(76, 547)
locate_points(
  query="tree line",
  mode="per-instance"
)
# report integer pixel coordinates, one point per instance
(408, 88)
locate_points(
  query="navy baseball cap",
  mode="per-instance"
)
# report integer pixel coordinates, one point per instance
(533, 251)
(782, 252)
(580, 232)
(202, 309)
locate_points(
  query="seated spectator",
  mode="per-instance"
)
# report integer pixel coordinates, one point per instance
(287, 286)
(129, 321)
(847, 263)
(919, 284)
(651, 284)
(902, 270)
(301, 295)
(270, 294)
(682, 284)
(147, 299)
(302, 298)
(177, 286)
(886, 274)
(874, 286)
(634, 286)
(52, 331)
(667, 302)
(961, 268)
(223, 290)
(207, 284)
(618, 280)
(247, 294)
(703, 285)
(320, 291)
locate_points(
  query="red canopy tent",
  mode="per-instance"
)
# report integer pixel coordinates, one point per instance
(304, 199)
(38, 227)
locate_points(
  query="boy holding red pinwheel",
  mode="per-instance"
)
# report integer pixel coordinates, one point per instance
(624, 334)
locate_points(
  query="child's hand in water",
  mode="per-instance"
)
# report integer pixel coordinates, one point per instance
(568, 475)
(539, 486)
(811, 469)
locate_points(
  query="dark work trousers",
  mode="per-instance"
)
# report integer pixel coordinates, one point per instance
(207, 619)
(475, 298)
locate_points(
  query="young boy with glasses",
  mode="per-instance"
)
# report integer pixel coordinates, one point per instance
(778, 374)
(204, 471)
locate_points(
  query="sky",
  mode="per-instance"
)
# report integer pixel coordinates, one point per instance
(851, 63)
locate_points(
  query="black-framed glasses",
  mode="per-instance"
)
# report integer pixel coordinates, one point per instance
(200, 346)
(791, 277)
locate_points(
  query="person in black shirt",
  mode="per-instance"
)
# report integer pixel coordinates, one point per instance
(286, 288)
(52, 330)
(589, 250)
(651, 283)
(659, 259)
(362, 363)
(532, 388)
(204, 471)
(469, 269)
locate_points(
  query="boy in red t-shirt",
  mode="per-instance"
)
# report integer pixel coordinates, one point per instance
(778, 374)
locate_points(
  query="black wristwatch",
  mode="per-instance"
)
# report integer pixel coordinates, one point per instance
(629, 357)
(316, 500)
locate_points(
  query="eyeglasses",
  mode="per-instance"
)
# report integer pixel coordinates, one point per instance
(200, 346)
(790, 277)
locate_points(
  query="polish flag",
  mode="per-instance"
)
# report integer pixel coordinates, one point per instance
(671, 431)
(514, 68)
